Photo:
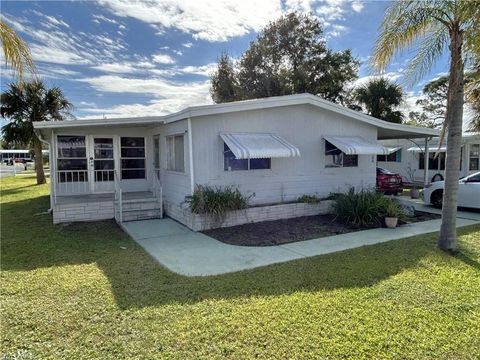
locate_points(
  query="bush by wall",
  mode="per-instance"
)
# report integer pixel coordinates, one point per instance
(216, 201)
(365, 208)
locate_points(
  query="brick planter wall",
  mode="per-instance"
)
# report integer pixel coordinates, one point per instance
(254, 214)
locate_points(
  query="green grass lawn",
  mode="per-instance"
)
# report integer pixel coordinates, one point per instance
(72, 292)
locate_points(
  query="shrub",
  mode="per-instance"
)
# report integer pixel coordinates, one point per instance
(365, 208)
(216, 201)
(309, 199)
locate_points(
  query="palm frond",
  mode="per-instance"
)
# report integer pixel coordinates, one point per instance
(429, 50)
(16, 52)
(405, 23)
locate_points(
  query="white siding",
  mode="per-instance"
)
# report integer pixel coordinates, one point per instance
(288, 178)
(175, 185)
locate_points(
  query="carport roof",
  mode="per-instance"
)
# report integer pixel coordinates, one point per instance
(386, 130)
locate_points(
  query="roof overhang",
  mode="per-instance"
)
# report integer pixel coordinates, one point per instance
(355, 145)
(432, 149)
(386, 130)
(259, 145)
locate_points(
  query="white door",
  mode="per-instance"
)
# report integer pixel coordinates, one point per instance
(102, 164)
(469, 192)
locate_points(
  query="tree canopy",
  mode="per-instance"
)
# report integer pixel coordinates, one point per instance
(24, 103)
(380, 98)
(289, 56)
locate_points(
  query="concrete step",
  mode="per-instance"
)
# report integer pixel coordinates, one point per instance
(132, 215)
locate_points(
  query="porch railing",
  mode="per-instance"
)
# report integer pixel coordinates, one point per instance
(77, 182)
(157, 189)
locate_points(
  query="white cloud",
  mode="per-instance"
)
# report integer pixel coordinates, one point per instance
(357, 6)
(54, 55)
(393, 76)
(65, 47)
(120, 68)
(168, 96)
(163, 59)
(214, 20)
(187, 45)
(204, 70)
(105, 19)
(210, 20)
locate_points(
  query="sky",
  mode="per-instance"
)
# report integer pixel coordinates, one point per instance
(122, 58)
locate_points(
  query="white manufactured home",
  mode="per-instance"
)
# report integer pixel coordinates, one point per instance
(277, 148)
(407, 158)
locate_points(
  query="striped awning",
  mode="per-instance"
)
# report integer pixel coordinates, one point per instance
(391, 150)
(355, 145)
(259, 145)
(432, 149)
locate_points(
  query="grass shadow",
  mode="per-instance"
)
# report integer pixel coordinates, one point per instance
(30, 242)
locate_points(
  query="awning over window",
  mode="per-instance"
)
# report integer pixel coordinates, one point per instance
(355, 145)
(259, 145)
(432, 149)
(391, 150)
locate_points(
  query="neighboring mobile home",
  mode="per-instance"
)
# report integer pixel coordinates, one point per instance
(407, 158)
(278, 148)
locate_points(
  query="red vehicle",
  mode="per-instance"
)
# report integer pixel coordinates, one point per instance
(388, 182)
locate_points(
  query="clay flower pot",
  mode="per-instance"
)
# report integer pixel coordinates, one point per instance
(391, 222)
(415, 193)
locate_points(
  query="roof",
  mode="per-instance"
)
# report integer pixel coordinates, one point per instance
(386, 130)
(259, 145)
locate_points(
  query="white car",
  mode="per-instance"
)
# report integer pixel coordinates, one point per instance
(468, 192)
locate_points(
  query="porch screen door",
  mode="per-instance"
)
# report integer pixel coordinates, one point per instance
(103, 164)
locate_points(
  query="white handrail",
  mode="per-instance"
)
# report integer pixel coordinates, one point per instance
(157, 188)
(118, 198)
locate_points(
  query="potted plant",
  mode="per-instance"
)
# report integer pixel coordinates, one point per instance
(392, 212)
(414, 192)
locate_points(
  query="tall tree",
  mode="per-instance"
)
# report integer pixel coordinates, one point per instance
(224, 83)
(16, 52)
(22, 105)
(289, 56)
(435, 25)
(433, 103)
(380, 98)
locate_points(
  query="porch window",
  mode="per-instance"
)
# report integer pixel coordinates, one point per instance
(132, 162)
(231, 163)
(176, 153)
(334, 157)
(474, 157)
(395, 156)
(434, 163)
(71, 158)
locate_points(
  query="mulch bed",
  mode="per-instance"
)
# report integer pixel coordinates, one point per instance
(268, 233)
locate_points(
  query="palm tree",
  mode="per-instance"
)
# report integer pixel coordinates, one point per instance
(433, 26)
(24, 103)
(380, 97)
(16, 52)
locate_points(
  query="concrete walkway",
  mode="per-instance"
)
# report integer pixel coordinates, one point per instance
(194, 254)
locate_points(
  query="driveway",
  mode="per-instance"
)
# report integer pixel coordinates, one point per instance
(194, 254)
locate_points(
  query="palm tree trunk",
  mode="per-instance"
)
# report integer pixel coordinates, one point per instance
(447, 240)
(39, 163)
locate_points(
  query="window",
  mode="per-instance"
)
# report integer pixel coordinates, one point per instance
(231, 163)
(334, 157)
(396, 156)
(434, 163)
(474, 163)
(71, 158)
(132, 152)
(176, 153)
